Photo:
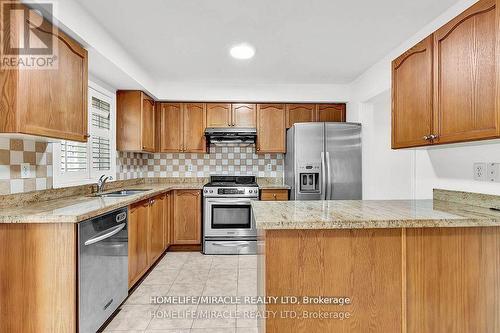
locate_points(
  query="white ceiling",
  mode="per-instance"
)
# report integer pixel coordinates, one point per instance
(296, 41)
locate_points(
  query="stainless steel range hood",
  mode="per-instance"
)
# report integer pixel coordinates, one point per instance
(231, 135)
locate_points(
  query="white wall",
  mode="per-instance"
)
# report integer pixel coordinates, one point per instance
(387, 174)
(255, 92)
(450, 167)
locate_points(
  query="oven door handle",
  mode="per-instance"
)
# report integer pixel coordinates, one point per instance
(231, 244)
(229, 201)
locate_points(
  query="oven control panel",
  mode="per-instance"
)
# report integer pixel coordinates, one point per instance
(231, 192)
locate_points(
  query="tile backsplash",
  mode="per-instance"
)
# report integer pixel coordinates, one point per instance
(227, 160)
(13, 152)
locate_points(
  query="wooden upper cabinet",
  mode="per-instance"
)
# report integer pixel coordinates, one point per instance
(412, 96)
(271, 128)
(187, 217)
(181, 127)
(218, 115)
(300, 113)
(330, 112)
(170, 127)
(47, 102)
(244, 115)
(194, 127)
(148, 123)
(135, 121)
(465, 76)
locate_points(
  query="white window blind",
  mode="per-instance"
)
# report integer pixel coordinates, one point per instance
(74, 156)
(82, 163)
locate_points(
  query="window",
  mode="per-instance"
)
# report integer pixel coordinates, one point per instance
(77, 163)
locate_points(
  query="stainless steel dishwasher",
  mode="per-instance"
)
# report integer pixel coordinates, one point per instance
(102, 268)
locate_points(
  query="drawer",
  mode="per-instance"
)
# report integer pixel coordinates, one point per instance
(274, 195)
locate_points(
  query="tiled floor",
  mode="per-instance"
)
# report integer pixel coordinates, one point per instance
(191, 274)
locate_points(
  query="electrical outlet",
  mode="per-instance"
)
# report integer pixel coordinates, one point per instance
(269, 167)
(493, 172)
(25, 170)
(190, 167)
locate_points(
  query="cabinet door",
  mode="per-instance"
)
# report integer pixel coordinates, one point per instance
(138, 241)
(170, 127)
(218, 115)
(167, 219)
(300, 113)
(330, 112)
(53, 103)
(465, 76)
(155, 230)
(194, 127)
(271, 128)
(244, 115)
(148, 124)
(412, 96)
(187, 217)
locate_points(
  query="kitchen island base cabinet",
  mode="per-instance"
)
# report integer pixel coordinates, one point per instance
(187, 217)
(418, 280)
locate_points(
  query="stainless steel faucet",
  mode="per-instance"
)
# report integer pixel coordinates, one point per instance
(102, 182)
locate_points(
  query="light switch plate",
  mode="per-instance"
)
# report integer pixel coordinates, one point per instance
(25, 170)
(493, 172)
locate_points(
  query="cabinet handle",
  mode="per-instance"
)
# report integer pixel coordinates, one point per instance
(427, 137)
(86, 136)
(433, 136)
(274, 196)
(153, 201)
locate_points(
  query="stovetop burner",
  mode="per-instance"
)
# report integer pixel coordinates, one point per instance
(232, 181)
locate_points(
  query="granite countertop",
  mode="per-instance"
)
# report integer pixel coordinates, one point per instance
(75, 209)
(274, 187)
(354, 214)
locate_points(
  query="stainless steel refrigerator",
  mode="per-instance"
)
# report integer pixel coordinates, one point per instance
(323, 161)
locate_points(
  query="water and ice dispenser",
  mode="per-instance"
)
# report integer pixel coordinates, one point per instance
(309, 174)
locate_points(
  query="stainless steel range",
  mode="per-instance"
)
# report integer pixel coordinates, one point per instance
(228, 226)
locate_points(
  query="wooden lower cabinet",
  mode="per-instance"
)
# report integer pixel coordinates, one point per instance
(167, 220)
(187, 217)
(274, 195)
(137, 241)
(147, 224)
(38, 269)
(155, 228)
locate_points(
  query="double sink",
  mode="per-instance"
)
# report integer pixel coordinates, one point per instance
(119, 194)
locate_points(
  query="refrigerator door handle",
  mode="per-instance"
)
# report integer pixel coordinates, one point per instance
(323, 177)
(329, 184)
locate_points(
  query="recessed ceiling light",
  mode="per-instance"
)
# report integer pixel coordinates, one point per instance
(242, 51)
